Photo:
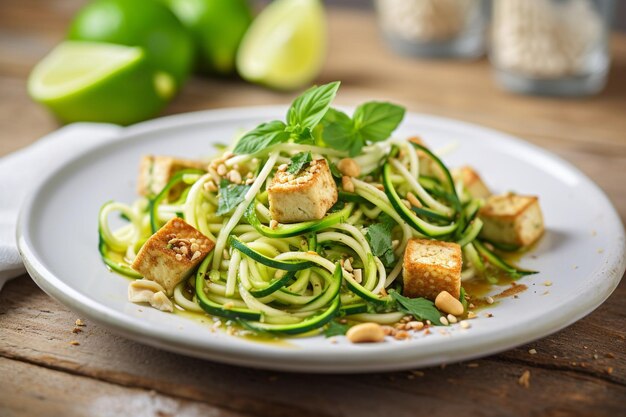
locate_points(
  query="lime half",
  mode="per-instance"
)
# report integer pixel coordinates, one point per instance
(85, 81)
(285, 46)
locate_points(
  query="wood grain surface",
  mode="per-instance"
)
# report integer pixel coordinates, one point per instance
(580, 370)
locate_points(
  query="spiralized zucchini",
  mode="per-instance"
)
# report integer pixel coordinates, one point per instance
(294, 278)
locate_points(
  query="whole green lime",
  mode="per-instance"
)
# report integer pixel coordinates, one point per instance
(148, 24)
(217, 27)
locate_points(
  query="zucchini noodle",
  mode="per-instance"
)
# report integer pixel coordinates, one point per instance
(294, 278)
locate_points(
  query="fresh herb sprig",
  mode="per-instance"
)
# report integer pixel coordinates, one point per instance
(371, 122)
(378, 235)
(420, 308)
(230, 196)
(310, 116)
(305, 113)
(335, 329)
(298, 162)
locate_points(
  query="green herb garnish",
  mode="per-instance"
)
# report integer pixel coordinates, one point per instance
(379, 237)
(335, 329)
(230, 196)
(420, 308)
(303, 116)
(371, 122)
(298, 162)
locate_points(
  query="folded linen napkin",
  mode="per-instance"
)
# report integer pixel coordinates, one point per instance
(22, 170)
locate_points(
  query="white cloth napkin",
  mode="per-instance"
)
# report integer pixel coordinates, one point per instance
(21, 170)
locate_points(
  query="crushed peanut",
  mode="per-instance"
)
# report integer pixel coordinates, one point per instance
(347, 184)
(349, 167)
(524, 380)
(413, 200)
(347, 265)
(234, 177)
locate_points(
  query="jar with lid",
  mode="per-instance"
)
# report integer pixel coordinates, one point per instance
(551, 47)
(434, 28)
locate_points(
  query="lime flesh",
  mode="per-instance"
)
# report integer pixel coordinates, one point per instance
(84, 81)
(285, 46)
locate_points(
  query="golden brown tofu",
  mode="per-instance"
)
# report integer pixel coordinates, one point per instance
(172, 253)
(512, 219)
(472, 182)
(431, 266)
(156, 171)
(302, 197)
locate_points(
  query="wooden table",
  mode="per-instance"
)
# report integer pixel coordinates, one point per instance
(578, 371)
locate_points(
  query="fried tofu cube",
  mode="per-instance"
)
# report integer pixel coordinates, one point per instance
(302, 197)
(156, 171)
(431, 266)
(472, 182)
(512, 219)
(172, 253)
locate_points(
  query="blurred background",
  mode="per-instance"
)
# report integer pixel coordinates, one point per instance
(490, 62)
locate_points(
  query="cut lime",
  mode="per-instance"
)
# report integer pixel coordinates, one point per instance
(285, 46)
(148, 24)
(100, 82)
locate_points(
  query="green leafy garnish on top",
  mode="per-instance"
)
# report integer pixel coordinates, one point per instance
(298, 162)
(230, 196)
(379, 237)
(420, 308)
(371, 122)
(310, 116)
(305, 113)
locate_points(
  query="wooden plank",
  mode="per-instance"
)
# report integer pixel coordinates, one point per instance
(491, 388)
(34, 391)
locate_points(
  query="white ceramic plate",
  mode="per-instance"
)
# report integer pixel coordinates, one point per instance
(582, 253)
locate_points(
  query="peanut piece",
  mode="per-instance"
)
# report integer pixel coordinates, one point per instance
(366, 333)
(448, 304)
(347, 184)
(349, 167)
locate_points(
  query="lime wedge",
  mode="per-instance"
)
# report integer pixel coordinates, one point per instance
(85, 81)
(285, 46)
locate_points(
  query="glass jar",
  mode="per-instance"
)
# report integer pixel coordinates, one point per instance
(551, 47)
(434, 28)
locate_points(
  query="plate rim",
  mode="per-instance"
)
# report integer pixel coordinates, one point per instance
(275, 359)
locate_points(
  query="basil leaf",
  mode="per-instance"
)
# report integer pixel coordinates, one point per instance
(338, 130)
(262, 137)
(335, 329)
(376, 120)
(420, 308)
(230, 196)
(298, 162)
(310, 107)
(378, 236)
